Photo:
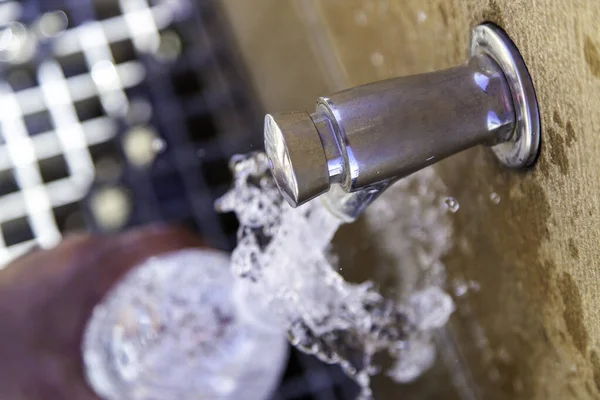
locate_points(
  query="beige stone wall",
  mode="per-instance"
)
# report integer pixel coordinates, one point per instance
(536, 254)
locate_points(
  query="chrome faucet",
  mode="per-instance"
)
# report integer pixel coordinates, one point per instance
(365, 138)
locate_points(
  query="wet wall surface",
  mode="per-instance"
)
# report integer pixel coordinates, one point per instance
(528, 239)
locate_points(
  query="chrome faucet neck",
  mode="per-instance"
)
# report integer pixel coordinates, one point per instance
(367, 137)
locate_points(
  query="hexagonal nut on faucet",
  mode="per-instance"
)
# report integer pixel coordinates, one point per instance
(296, 156)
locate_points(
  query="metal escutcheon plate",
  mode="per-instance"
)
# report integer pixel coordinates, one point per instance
(522, 148)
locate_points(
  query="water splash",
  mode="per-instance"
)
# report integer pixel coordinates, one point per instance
(412, 239)
(283, 252)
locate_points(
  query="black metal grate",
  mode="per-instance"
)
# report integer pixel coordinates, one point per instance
(133, 109)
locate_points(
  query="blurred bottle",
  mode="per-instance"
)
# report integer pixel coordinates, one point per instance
(143, 315)
(177, 327)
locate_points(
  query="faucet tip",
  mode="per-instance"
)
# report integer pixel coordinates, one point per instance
(296, 156)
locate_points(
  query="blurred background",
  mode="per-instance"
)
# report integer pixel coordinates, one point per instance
(119, 113)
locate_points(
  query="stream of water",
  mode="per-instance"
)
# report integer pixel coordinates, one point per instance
(284, 256)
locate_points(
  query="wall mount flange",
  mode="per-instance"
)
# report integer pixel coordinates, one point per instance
(521, 149)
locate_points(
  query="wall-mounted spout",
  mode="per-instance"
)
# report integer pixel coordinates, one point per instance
(365, 138)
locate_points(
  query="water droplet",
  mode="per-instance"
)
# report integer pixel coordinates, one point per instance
(104, 74)
(452, 204)
(421, 16)
(53, 23)
(169, 48)
(573, 368)
(460, 288)
(432, 307)
(141, 145)
(111, 207)
(16, 43)
(377, 59)
(361, 18)
(503, 355)
(495, 198)
(158, 145)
